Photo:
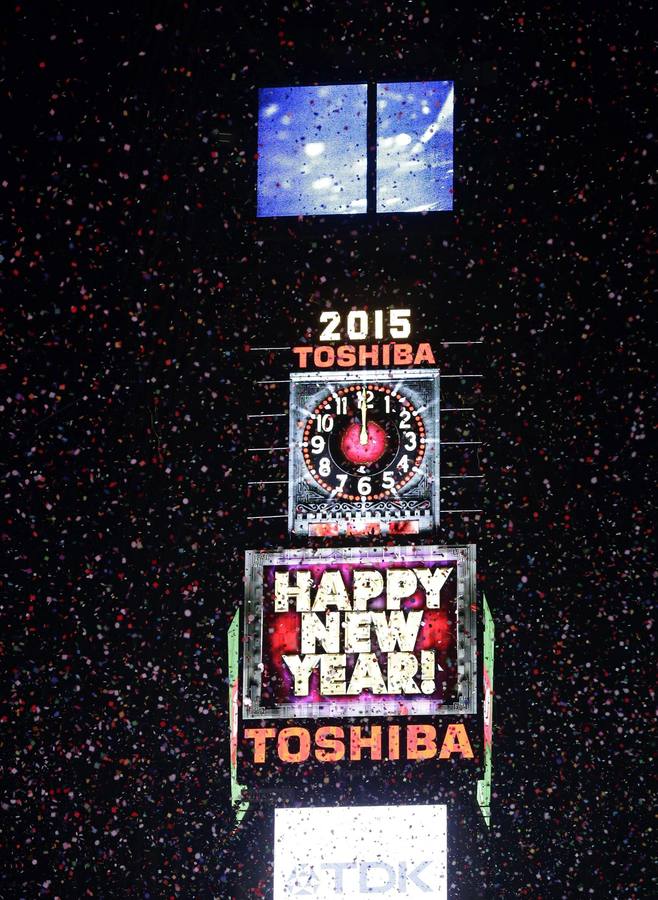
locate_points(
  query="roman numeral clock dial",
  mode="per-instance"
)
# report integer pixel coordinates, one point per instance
(364, 452)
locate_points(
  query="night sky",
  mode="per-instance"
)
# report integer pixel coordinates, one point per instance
(135, 279)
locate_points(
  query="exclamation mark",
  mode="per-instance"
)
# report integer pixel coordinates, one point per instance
(427, 671)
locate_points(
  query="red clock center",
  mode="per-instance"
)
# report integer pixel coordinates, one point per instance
(363, 454)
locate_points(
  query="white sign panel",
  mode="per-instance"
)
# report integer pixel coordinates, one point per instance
(391, 851)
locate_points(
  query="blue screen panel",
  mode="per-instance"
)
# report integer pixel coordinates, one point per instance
(312, 150)
(414, 146)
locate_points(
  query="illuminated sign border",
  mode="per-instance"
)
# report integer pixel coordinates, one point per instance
(464, 560)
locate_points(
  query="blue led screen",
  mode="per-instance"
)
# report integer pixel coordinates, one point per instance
(312, 154)
(415, 146)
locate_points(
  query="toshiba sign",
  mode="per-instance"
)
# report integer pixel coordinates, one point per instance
(393, 851)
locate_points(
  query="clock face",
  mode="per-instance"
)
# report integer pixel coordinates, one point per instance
(364, 441)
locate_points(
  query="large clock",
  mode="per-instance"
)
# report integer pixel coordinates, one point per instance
(364, 452)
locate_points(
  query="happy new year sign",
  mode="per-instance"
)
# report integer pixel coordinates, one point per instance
(359, 631)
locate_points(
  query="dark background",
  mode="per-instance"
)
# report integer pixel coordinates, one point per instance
(134, 276)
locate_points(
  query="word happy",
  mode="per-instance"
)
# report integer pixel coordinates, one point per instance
(337, 621)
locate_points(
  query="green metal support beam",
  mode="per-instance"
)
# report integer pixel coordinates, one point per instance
(240, 806)
(488, 645)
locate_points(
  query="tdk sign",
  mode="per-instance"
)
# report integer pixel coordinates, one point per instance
(374, 877)
(387, 851)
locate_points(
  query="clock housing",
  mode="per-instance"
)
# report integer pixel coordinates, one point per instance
(364, 452)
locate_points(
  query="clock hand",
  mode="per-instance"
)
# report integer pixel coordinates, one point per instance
(363, 435)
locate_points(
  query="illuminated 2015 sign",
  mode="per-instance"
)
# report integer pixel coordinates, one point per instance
(392, 326)
(359, 631)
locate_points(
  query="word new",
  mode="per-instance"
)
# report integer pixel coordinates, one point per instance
(332, 743)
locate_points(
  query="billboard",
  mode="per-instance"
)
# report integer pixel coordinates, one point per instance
(312, 156)
(367, 631)
(316, 147)
(415, 146)
(397, 851)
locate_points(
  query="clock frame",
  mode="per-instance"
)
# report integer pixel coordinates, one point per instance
(364, 452)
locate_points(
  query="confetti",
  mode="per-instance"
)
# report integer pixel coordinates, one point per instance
(137, 277)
